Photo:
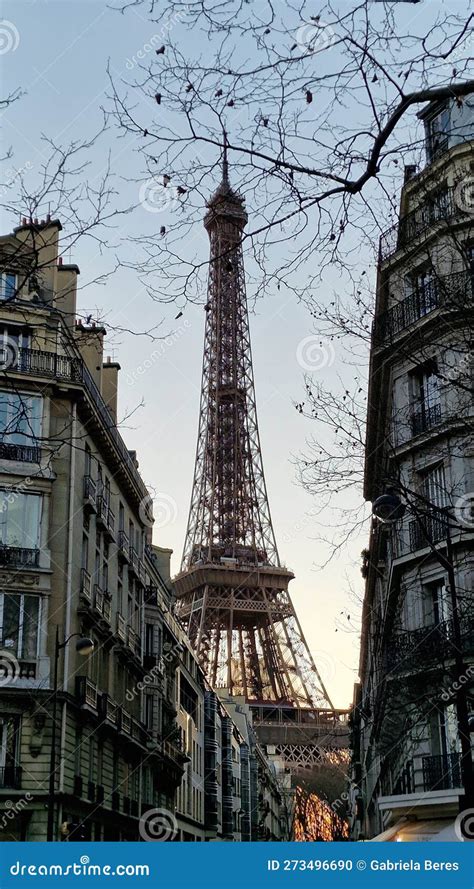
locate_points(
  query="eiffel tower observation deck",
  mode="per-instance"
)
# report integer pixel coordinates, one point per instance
(232, 589)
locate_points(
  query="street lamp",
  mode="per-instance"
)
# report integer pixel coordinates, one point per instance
(84, 647)
(389, 508)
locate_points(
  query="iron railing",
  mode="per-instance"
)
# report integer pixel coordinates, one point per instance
(124, 544)
(86, 692)
(90, 491)
(425, 417)
(10, 776)
(105, 515)
(438, 207)
(454, 291)
(412, 649)
(442, 772)
(427, 529)
(35, 362)
(20, 453)
(19, 556)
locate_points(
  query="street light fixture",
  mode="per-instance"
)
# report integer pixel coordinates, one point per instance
(84, 647)
(389, 508)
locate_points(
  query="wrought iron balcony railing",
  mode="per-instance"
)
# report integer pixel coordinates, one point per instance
(438, 207)
(124, 545)
(427, 529)
(413, 649)
(10, 777)
(454, 291)
(90, 492)
(442, 772)
(20, 453)
(105, 515)
(86, 692)
(426, 417)
(36, 362)
(19, 556)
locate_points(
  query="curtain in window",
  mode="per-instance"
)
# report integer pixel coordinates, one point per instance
(20, 625)
(20, 516)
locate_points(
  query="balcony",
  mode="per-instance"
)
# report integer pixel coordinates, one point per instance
(121, 629)
(415, 649)
(90, 493)
(105, 517)
(440, 207)
(425, 418)
(136, 565)
(123, 546)
(10, 777)
(18, 557)
(36, 362)
(109, 710)
(442, 772)
(151, 596)
(86, 585)
(454, 291)
(86, 692)
(101, 603)
(427, 529)
(20, 453)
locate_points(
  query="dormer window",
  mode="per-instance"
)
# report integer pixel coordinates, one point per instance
(7, 285)
(437, 133)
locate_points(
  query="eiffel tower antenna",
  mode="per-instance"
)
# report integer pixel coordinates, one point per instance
(232, 590)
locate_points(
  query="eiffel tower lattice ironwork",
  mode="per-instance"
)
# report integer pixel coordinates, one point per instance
(232, 590)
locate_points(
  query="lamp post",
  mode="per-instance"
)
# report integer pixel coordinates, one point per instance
(389, 508)
(84, 647)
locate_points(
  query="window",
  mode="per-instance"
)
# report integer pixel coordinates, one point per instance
(426, 399)
(20, 418)
(87, 460)
(437, 131)
(149, 711)
(7, 285)
(13, 339)
(19, 624)
(434, 487)
(421, 287)
(9, 742)
(20, 517)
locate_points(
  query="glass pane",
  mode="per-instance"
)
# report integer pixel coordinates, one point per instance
(11, 622)
(20, 519)
(30, 626)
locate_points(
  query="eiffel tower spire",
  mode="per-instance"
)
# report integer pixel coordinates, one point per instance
(232, 589)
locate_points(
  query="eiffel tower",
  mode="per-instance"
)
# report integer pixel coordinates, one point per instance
(232, 589)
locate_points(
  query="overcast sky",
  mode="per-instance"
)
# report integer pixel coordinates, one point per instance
(57, 52)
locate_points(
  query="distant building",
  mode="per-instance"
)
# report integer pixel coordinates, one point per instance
(406, 741)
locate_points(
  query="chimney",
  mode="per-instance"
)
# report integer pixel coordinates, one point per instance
(110, 371)
(90, 341)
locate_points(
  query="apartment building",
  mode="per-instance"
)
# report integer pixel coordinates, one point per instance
(410, 732)
(75, 569)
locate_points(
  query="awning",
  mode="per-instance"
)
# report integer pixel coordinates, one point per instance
(413, 831)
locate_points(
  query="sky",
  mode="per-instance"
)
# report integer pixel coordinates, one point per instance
(58, 52)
